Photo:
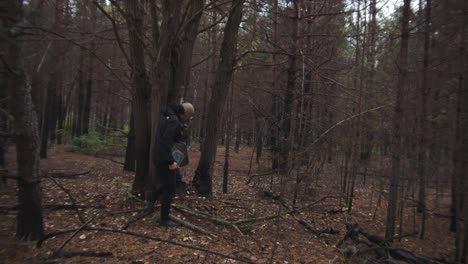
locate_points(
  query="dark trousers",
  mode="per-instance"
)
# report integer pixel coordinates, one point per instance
(166, 190)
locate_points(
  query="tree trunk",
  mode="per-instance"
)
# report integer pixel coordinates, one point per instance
(182, 74)
(464, 122)
(129, 164)
(258, 138)
(460, 156)
(81, 76)
(288, 100)
(46, 121)
(228, 142)
(397, 120)
(141, 96)
(238, 137)
(89, 76)
(275, 115)
(29, 218)
(204, 171)
(423, 128)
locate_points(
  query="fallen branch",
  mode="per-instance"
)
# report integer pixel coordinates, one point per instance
(247, 220)
(55, 207)
(201, 215)
(192, 226)
(148, 237)
(316, 232)
(292, 210)
(98, 254)
(71, 206)
(139, 216)
(70, 196)
(299, 219)
(383, 248)
(127, 211)
(57, 251)
(109, 159)
(65, 175)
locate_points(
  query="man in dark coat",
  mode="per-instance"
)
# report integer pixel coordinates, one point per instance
(169, 132)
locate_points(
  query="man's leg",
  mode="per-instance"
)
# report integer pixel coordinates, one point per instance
(168, 185)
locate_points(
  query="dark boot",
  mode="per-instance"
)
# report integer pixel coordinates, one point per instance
(150, 198)
(168, 223)
(165, 220)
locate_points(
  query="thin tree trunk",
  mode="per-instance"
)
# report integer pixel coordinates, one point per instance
(288, 100)
(46, 120)
(397, 120)
(89, 85)
(204, 171)
(81, 75)
(228, 142)
(464, 121)
(424, 133)
(129, 163)
(274, 121)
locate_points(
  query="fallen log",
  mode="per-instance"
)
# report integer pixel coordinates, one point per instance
(383, 248)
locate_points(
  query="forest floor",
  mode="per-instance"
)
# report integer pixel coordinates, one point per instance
(278, 240)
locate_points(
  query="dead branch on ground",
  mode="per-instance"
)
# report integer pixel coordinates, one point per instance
(299, 219)
(83, 226)
(148, 237)
(383, 248)
(70, 196)
(66, 175)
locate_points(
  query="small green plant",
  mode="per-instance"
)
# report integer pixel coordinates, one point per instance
(90, 143)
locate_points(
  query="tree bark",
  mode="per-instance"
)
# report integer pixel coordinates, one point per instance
(288, 101)
(29, 218)
(129, 163)
(204, 171)
(423, 128)
(89, 76)
(397, 120)
(460, 154)
(141, 96)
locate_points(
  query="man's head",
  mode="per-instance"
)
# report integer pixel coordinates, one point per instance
(187, 113)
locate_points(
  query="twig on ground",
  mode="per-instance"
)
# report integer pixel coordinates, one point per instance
(109, 159)
(192, 226)
(65, 175)
(139, 216)
(130, 233)
(98, 254)
(70, 196)
(126, 212)
(71, 206)
(299, 219)
(83, 226)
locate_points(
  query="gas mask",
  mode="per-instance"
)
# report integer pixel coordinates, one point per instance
(188, 112)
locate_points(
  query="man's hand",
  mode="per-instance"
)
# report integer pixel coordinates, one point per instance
(173, 166)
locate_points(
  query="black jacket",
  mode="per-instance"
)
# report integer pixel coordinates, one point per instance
(169, 132)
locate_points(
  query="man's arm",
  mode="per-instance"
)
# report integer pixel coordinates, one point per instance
(168, 140)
